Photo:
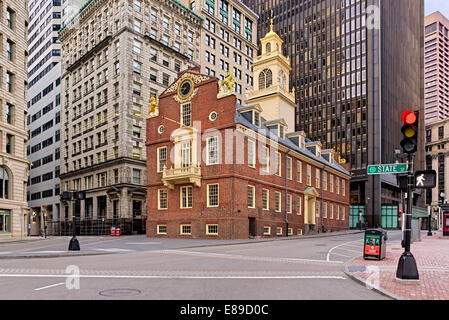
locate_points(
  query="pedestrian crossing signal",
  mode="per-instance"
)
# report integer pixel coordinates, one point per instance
(426, 179)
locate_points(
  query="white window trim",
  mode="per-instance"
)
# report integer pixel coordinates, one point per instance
(268, 200)
(161, 225)
(207, 230)
(300, 205)
(208, 162)
(180, 197)
(218, 195)
(250, 142)
(279, 231)
(160, 170)
(267, 233)
(159, 199)
(290, 205)
(290, 164)
(299, 170)
(185, 233)
(290, 231)
(266, 165)
(254, 197)
(280, 201)
(279, 159)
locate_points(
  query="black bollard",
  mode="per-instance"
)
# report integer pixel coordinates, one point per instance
(74, 244)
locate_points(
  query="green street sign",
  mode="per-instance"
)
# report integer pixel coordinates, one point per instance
(387, 169)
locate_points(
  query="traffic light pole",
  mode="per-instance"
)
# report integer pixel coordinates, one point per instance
(407, 268)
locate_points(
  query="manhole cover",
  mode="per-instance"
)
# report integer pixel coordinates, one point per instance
(397, 249)
(321, 245)
(120, 293)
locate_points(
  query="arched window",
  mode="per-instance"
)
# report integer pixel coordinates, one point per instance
(269, 77)
(265, 79)
(282, 79)
(268, 47)
(262, 80)
(4, 184)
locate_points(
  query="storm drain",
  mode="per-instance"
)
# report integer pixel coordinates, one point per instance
(120, 293)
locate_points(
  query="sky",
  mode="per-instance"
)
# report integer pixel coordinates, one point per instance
(437, 5)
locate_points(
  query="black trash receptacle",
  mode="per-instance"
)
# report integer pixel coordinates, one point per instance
(375, 245)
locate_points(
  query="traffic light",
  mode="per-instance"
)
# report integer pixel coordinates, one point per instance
(80, 195)
(410, 131)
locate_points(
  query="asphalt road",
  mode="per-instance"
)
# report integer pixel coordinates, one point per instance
(141, 268)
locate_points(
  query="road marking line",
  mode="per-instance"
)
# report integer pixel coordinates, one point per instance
(7, 252)
(165, 277)
(113, 250)
(229, 256)
(45, 251)
(341, 255)
(50, 286)
(139, 243)
(341, 245)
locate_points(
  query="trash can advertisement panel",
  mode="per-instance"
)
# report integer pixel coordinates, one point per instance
(372, 244)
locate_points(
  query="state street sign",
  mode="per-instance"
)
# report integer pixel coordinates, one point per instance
(387, 169)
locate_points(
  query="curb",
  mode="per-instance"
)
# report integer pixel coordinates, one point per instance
(363, 282)
(52, 256)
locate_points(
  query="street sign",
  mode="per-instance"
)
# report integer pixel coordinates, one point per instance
(425, 179)
(387, 169)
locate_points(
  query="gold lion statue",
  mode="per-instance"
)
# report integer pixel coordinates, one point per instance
(153, 106)
(228, 81)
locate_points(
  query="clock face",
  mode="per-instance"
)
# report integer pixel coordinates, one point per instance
(185, 89)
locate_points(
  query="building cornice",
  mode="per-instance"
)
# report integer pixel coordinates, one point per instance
(281, 147)
(103, 165)
(92, 6)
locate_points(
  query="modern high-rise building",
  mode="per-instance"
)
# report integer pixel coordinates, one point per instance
(44, 112)
(14, 166)
(353, 78)
(228, 41)
(436, 72)
(117, 55)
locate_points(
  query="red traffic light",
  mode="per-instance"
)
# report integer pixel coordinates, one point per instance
(409, 117)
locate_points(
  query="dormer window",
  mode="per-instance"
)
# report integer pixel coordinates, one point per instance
(302, 142)
(256, 118)
(281, 131)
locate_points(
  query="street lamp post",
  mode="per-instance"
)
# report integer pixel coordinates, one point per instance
(440, 210)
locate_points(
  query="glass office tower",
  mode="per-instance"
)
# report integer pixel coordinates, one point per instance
(356, 66)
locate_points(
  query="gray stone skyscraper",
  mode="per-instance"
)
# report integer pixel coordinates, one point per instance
(13, 136)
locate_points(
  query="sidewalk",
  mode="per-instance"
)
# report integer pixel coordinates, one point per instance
(432, 257)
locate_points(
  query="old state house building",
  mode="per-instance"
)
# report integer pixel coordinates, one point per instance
(220, 170)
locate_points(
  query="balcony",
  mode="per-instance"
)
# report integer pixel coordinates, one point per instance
(174, 176)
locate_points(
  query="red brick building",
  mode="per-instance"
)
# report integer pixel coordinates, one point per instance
(213, 170)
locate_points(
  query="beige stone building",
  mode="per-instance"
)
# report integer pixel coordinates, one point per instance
(13, 135)
(116, 56)
(437, 158)
(228, 41)
(436, 99)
